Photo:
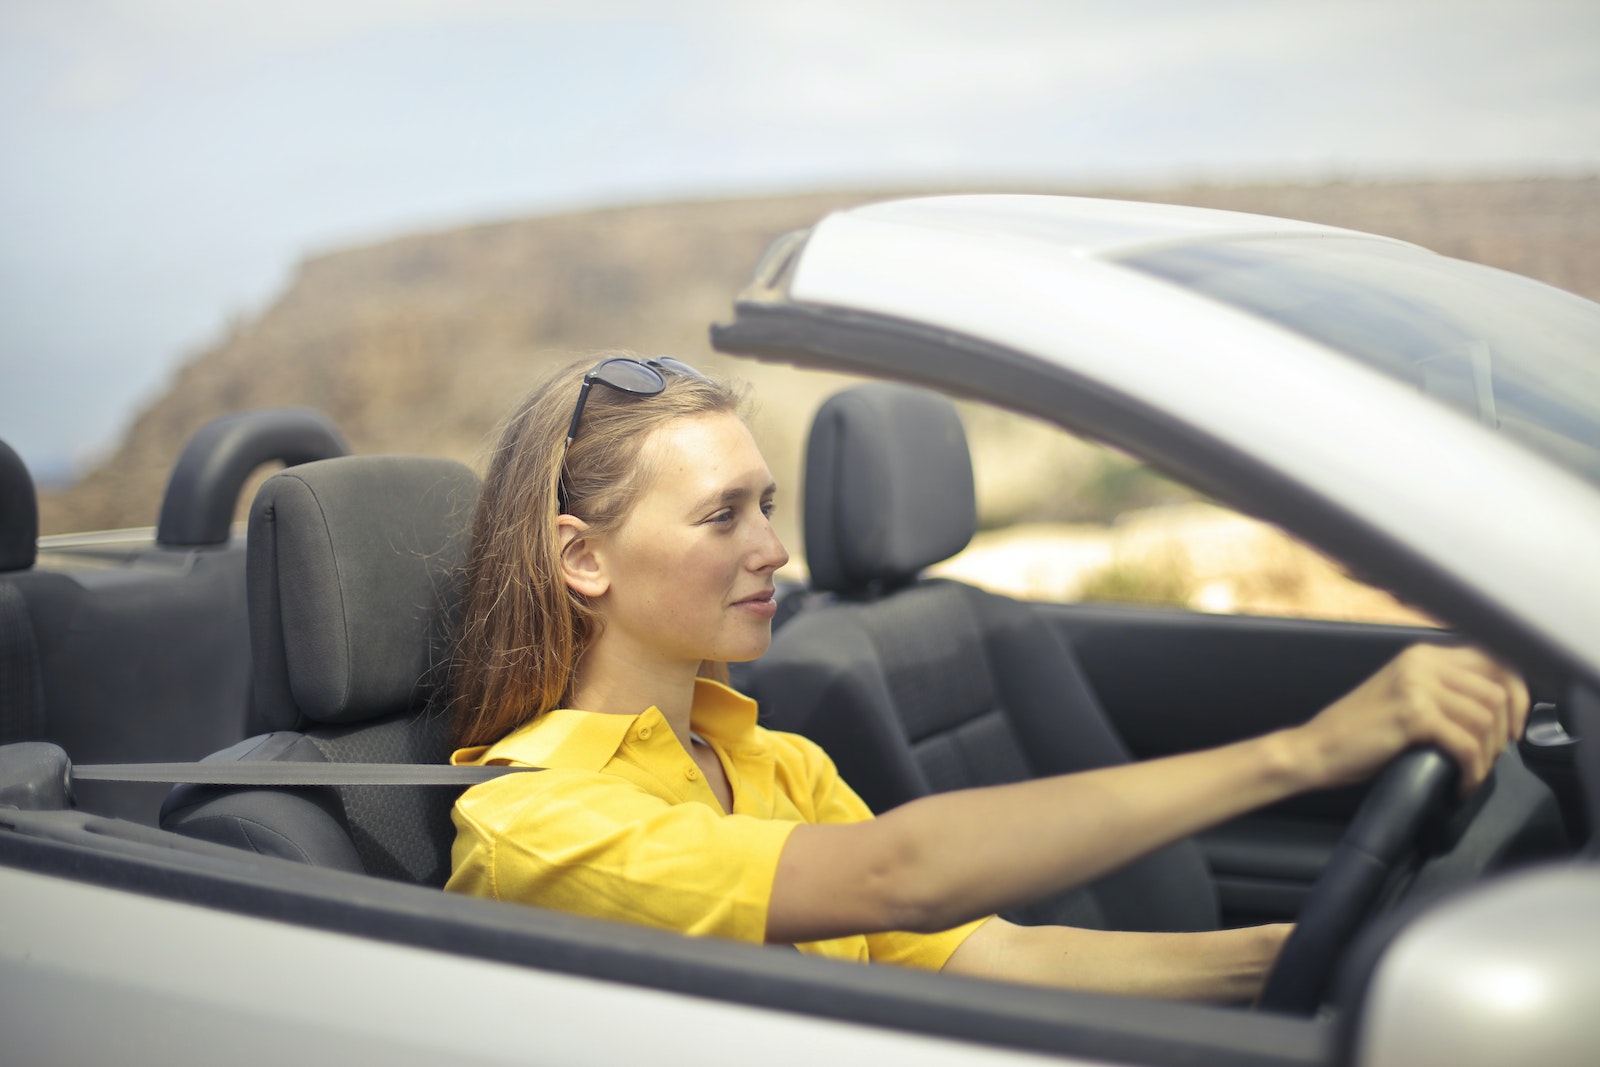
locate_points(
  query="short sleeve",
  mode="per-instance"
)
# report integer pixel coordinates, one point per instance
(926, 951)
(595, 844)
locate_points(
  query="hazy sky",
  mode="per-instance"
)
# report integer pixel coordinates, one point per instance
(167, 162)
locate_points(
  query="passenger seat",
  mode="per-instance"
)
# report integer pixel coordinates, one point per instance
(353, 569)
(917, 685)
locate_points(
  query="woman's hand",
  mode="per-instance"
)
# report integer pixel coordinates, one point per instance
(1456, 698)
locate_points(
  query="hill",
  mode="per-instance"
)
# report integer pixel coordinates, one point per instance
(421, 343)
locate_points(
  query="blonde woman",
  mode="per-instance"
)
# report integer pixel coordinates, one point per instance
(622, 554)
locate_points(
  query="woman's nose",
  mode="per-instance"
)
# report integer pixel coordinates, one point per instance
(769, 553)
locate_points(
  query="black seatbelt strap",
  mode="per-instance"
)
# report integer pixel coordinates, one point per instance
(292, 773)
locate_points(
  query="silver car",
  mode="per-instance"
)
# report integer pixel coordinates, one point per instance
(1431, 424)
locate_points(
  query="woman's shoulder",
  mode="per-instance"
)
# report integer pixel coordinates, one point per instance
(581, 740)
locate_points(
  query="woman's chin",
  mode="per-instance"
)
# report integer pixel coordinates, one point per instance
(745, 651)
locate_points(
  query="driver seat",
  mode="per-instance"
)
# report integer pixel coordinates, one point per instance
(917, 685)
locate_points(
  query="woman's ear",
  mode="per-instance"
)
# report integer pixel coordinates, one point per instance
(581, 566)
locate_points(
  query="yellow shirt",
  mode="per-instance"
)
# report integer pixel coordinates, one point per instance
(621, 824)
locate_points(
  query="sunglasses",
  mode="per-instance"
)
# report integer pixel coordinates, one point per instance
(636, 377)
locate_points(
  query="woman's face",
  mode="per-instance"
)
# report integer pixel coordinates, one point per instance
(689, 571)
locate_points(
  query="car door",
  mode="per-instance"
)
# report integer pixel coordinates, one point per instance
(1174, 681)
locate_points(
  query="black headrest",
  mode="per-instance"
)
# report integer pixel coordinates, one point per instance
(203, 490)
(353, 566)
(888, 487)
(19, 513)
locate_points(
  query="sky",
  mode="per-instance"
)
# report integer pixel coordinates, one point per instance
(165, 164)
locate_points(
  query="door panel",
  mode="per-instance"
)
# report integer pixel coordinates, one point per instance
(1174, 681)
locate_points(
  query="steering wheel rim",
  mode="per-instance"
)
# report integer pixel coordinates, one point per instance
(1411, 791)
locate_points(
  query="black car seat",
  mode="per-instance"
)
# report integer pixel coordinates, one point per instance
(134, 650)
(918, 685)
(21, 693)
(352, 565)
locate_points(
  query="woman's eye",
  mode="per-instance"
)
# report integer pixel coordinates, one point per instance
(768, 507)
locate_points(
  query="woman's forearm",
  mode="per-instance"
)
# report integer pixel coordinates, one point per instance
(977, 852)
(944, 859)
(1221, 966)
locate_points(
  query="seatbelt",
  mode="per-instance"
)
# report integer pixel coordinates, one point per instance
(291, 773)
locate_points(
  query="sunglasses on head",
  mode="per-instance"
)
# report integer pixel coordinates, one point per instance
(636, 377)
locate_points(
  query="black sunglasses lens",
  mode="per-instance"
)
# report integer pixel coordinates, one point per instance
(629, 376)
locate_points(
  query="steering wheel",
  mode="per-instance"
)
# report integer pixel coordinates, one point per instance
(1416, 787)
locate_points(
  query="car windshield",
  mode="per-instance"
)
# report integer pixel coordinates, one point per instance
(1517, 355)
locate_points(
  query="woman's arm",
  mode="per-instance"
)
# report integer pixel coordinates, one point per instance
(951, 857)
(948, 858)
(1225, 966)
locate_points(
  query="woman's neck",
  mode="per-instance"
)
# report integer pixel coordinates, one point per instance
(616, 684)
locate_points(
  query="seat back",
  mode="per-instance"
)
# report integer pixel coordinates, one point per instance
(140, 649)
(21, 694)
(352, 572)
(918, 685)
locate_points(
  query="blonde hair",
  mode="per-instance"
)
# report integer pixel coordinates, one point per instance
(522, 630)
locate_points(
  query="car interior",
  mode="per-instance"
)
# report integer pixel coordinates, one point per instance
(320, 637)
(137, 648)
(923, 685)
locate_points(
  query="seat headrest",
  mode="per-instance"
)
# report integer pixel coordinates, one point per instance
(19, 513)
(888, 487)
(353, 566)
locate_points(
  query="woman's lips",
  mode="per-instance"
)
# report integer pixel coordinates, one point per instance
(763, 605)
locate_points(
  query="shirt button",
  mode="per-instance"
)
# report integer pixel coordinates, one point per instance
(691, 774)
(644, 733)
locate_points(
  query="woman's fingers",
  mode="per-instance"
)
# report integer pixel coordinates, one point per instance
(1497, 688)
(1521, 703)
(1472, 731)
(1464, 702)
(1481, 689)
(1456, 698)
(1466, 749)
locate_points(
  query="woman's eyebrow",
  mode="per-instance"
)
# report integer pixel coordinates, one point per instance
(733, 495)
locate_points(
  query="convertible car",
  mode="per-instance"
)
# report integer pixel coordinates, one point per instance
(1431, 424)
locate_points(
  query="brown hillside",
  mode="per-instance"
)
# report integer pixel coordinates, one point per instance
(422, 342)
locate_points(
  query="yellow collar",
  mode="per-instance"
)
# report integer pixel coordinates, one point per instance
(587, 740)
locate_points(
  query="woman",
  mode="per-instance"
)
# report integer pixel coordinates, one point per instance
(623, 553)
